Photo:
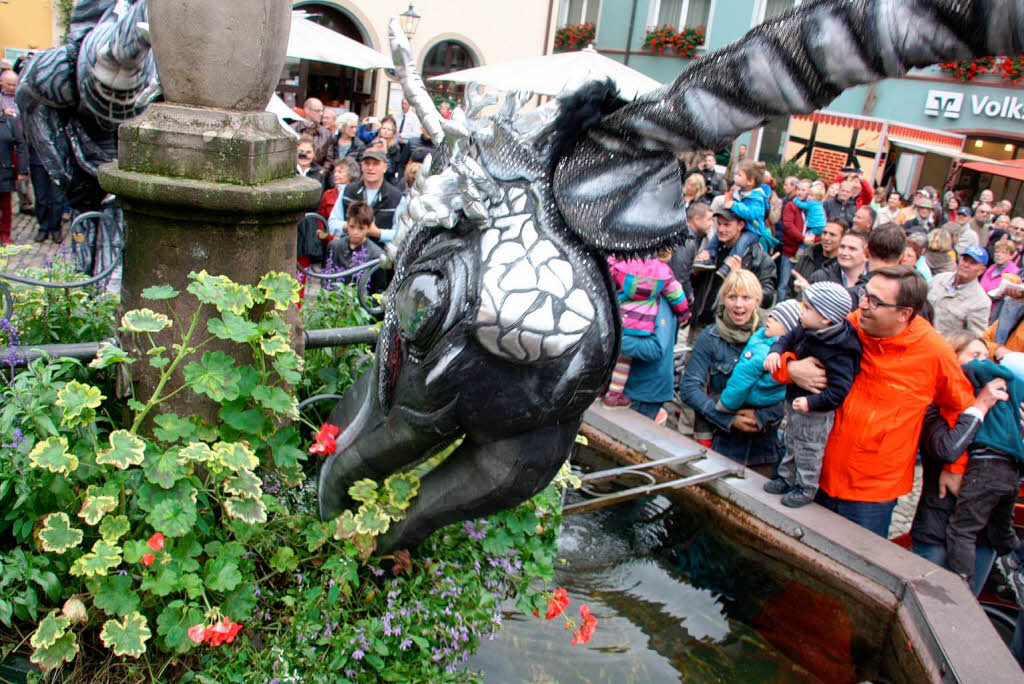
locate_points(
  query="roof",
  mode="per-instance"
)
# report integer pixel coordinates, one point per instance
(1011, 168)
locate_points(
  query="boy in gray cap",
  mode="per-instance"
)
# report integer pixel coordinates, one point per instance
(825, 334)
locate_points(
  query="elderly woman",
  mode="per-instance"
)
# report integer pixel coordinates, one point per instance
(349, 144)
(397, 151)
(992, 279)
(749, 435)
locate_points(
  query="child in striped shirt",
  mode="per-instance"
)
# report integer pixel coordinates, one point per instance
(640, 282)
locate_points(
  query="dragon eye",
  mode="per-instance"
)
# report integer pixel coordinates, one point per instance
(419, 304)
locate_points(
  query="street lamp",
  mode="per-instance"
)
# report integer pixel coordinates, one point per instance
(409, 20)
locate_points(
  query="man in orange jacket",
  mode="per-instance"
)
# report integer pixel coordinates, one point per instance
(906, 365)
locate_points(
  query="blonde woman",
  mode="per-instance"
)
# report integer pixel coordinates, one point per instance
(749, 435)
(694, 188)
(937, 257)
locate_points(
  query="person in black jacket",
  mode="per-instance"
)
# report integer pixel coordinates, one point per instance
(12, 145)
(383, 197)
(825, 334)
(714, 184)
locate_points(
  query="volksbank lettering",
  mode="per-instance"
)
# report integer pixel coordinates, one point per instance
(1006, 108)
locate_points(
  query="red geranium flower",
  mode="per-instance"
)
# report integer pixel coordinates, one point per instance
(586, 630)
(156, 542)
(325, 443)
(197, 633)
(222, 632)
(557, 605)
(147, 559)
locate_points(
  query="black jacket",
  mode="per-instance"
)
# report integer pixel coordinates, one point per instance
(845, 210)
(12, 141)
(832, 272)
(811, 260)
(838, 349)
(383, 206)
(715, 184)
(916, 225)
(707, 283)
(939, 445)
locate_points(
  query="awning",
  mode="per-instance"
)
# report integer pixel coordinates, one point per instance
(1009, 169)
(941, 150)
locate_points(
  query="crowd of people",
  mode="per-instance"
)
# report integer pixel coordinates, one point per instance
(840, 334)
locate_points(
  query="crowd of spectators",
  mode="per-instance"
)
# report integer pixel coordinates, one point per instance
(936, 307)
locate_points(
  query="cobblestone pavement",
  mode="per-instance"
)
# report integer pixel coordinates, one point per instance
(905, 506)
(23, 229)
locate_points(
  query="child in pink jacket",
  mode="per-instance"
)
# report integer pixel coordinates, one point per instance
(640, 282)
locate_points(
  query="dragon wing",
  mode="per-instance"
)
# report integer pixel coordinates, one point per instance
(619, 189)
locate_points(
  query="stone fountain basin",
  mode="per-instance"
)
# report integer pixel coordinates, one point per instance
(852, 597)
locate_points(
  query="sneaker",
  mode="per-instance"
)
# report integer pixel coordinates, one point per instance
(776, 485)
(704, 265)
(724, 271)
(661, 418)
(796, 497)
(1014, 576)
(616, 400)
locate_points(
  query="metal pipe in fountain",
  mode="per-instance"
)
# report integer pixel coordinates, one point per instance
(207, 179)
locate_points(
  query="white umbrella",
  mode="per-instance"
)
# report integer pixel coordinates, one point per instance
(284, 114)
(556, 74)
(309, 40)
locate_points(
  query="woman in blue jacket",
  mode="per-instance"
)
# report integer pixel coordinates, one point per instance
(748, 436)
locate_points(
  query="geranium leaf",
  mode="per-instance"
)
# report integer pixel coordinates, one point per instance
(102, 559)
(345, 526)
(197, 452)
(371, 520)
(274, 345)
(52, 454)
(289, 367)
(79, 402)
(364, 491)
(115, 595)
(109, 355)
(280, 288)
(213, 376)
(173, 623)
(61, 651)
(125, 450)
(171, 427)
(95, 506)
(113, 527)
(163, 582)
(232, 327)
(222, 574)
(205, 287)
(365, 545)
(276, 400)
(250, 511)
(165, 468)
(173, 517)
(144, 321)
(126, 637)
(251, 421)
(235, 456)
(402, 489)
(158, 292)
(50, 629)
(244, 484)
(57, 534)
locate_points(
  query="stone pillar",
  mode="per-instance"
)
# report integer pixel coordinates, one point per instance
(209, 182)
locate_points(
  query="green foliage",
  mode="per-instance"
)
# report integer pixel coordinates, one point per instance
(332, 371)
(60, 315)
(158, 533)
(791, 168)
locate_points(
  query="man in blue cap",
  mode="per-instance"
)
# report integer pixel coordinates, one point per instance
(958, 300)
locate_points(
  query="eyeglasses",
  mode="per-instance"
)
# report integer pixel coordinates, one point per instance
(874, 302)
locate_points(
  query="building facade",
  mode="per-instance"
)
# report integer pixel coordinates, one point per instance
(924, 129)
(28, 25)
(450, 36)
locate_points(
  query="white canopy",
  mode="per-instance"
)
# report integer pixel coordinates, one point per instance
(556, 74)
(309, 40)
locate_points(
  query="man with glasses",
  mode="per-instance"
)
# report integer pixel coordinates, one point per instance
(905, 367)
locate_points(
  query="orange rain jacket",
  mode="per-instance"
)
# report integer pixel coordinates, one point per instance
(871, 451)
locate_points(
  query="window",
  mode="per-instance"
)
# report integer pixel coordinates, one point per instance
(443, 58)
(773, 8)
(681, 13)
(578, 11)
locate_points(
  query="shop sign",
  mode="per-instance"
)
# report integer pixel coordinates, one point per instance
(949, 104)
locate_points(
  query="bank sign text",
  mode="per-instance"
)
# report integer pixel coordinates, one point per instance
(949, 104)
